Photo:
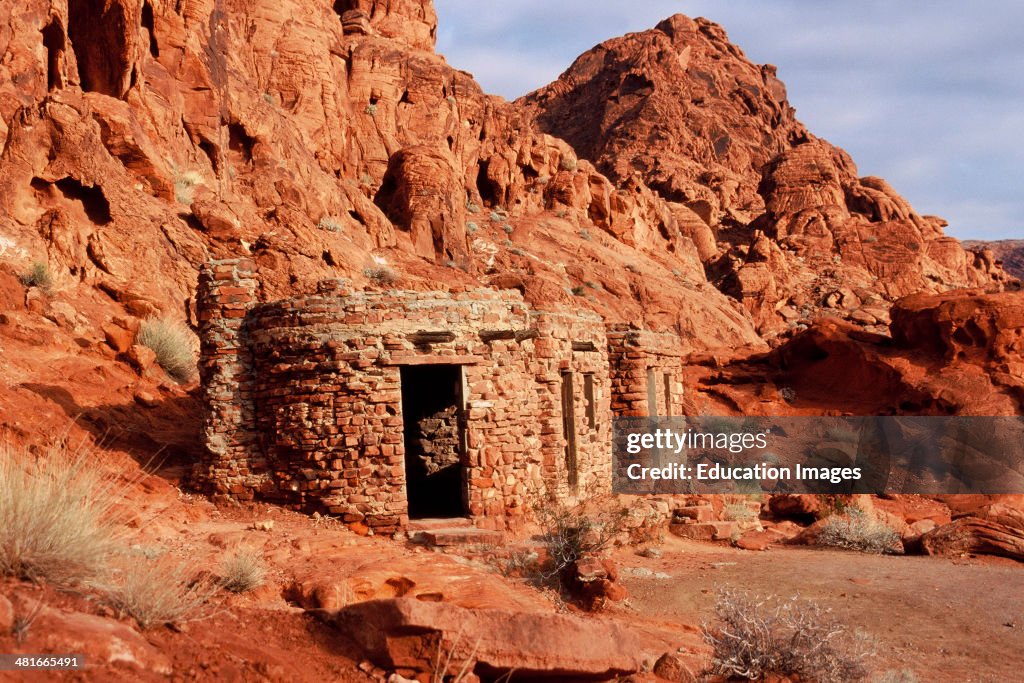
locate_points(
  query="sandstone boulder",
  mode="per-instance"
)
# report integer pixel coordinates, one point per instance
(968, 535)
(405, 635)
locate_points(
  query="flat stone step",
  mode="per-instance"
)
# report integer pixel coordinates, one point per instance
(458, 536)
(704, 531)
(430, 523)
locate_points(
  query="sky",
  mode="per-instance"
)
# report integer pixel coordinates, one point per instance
(928, 94)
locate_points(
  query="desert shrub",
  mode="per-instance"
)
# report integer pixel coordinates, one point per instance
(58, 519)
(371, 109)
(567, 163)
(855, 530)
(243, 570)
(570, 533)
(517, 251)
(329, 223)
(185, 186)
(508, 229)
(173, 345)
(472, 207)
(38, 275)
(157, 591)
(585, 234)
(382, 275)
(739, 512)
(757, 636)
(471, 227)
(578, 290)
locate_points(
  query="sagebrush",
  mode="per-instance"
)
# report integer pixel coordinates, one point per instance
(173, 344)
(855, 530)
(755, 637)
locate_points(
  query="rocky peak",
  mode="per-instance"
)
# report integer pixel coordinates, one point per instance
(681, 109)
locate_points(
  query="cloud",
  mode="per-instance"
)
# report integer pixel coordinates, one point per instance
(925, 94)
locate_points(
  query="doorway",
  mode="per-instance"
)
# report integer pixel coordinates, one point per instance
(434, 435)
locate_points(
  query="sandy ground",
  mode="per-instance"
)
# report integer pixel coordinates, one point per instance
(944, 619)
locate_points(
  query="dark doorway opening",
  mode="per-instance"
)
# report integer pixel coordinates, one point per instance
(434, 440)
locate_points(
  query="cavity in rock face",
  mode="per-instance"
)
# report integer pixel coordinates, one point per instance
(101, 37)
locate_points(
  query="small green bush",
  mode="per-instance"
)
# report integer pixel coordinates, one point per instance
(173, 344)
(39, 275)
(471, 227)
(371, 109)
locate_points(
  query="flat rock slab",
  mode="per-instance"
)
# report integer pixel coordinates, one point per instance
(460, 536)
(407, 635)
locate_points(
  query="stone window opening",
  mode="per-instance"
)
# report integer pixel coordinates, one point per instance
(652, 393)
(434, 434)
(569, 430)
(588, 396)
(668, 393)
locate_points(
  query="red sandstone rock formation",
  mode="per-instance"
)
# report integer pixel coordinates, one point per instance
(948, 354)
(787, 227)
(1009, 253)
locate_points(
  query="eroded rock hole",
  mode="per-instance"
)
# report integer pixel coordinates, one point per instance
(94, 203)
(212, 153)
(53, 41)
(98, 30)
(342, 6)
(490, 191)
(147, 23)
(240, 142)
(433, 431)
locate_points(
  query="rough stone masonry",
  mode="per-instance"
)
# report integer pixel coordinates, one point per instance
(306, 399)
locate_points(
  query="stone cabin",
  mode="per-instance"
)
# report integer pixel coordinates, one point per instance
(379, 407)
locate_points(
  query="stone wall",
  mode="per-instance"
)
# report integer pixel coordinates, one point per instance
(645, 365)
(304, 397)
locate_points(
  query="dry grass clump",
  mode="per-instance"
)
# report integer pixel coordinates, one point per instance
(57, 515)
(173, 344)
(159, 590)
(855, 530)
(243, 571)
(757, 636)
(185, 184)
(382, 275)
